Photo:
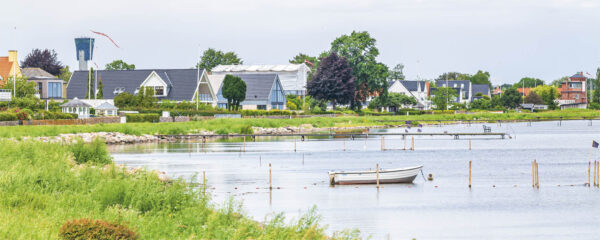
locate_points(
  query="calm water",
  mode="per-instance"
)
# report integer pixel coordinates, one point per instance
(441, 209)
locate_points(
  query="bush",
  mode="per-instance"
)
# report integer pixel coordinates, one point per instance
(95, 229)
(247, 129)
(143, 117)
(47, 115)
(94, 152)
(8, 116)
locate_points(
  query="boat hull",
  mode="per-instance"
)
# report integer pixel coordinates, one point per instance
(400, 175)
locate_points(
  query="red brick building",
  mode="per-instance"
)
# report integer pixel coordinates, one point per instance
(573, 91)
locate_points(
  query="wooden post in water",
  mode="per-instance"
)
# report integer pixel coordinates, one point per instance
(377, 173)
(412, 143)
(537, 175)
(270, 183)
(294, 144)
(382, 143)
(589, 172)
(204, 182)
(244, 143)
(404, 137)
(533, 174)
(344, 141)
(469, 174)
(469, 144)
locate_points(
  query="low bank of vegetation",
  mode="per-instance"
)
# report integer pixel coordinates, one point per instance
(52, 191)
(225, 126)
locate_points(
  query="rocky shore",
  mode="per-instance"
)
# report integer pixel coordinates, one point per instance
(109, 137)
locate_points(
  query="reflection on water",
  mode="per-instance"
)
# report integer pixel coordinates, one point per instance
(501, 204)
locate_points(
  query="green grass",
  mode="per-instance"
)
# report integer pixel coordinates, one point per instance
(42, 187)
(224, 126)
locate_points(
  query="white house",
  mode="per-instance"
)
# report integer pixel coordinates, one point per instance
(417, 89)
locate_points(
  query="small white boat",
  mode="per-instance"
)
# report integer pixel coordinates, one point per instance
(397, 175)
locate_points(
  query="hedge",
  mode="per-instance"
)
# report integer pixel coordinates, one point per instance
(142, 117)
(8, 117)
(48, 115)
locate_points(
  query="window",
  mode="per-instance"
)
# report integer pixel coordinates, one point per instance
(159, 91)
(261, 107)
(54, 90)
(39, 87)
(575, 85)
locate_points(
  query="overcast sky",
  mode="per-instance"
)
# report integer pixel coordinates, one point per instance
(509, 38)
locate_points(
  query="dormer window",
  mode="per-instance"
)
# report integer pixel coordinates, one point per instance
(159, 91)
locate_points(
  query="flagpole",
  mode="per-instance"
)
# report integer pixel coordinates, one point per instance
(90, 70)
(14, 66)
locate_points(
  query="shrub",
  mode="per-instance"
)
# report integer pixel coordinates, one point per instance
(143, 117)
(95, 229)
(44, 115)
(8, 117)
(247, 129)
(94, 152)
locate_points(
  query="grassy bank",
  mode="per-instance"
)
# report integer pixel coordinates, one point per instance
(43, 186)
(224, 126)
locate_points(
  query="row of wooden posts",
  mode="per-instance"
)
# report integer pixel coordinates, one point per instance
(412, 144)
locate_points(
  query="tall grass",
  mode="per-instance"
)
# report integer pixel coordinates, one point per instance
(41, 188)
(225, 126)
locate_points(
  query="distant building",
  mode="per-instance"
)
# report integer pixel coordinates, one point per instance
(168, 84)
(532, 107)
(293, 77)
(417, 89)
(47, 85)
(9, 67)
(263, 91)
(480, 90)
(524, 91)
(497, 91)
(78, 107)
(461, 87)
(573, 92)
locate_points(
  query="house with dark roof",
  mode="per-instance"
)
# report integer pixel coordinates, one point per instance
(47, 85)
(263, 91)
(168, 84)
(480, 90)
(417, 89)
(463, 88)
(293, 77)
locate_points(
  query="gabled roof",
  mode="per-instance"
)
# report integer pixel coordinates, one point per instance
(413, 85)
(215, 81)
(258, 86)
(106, 106)
(75, 103)
(181, 82)
(481, 88)
(5, 67)
(37, 74)
(578, 75)
(260, 68)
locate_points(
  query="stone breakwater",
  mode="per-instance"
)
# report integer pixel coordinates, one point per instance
(109, 138)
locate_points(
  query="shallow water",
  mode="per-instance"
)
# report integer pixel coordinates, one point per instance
(501, 203)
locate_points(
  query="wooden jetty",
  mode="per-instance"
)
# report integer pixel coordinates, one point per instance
(348, 135)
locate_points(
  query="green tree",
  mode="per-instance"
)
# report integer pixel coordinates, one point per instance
(443, 96)
(65, 74)
(511, 98)
(396, 100)
(596, 91)
(24, 88)
(370, 76)
(453, 76)
(311, 62)
(119, 65)
(480, 77)
(145, 97)
(125, 99)
(396, 73)
(528, 82)
(559, 81)
(211, 58)
(333, 81)
(234, 89)
(534, 98)
(483, 104)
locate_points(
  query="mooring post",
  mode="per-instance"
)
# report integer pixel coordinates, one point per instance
(244, 143)
(469, 144)
(204, 182)
(469, 174)
(412, 143)
(270, 183)
(382, 143)
(344, 142)
(294, 144)
(404, 137)
(377, 173)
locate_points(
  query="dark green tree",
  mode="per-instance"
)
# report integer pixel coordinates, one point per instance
(370, 76)
(482, 104)
(333, 81)
(511, 98)
(45, 59)
(534, 98)
(528, 82)
(119, 65)
(234, 89)
(443, 96)
(211, 58)
(145, 97)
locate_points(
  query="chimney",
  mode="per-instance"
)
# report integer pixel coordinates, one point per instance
(12, 55)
